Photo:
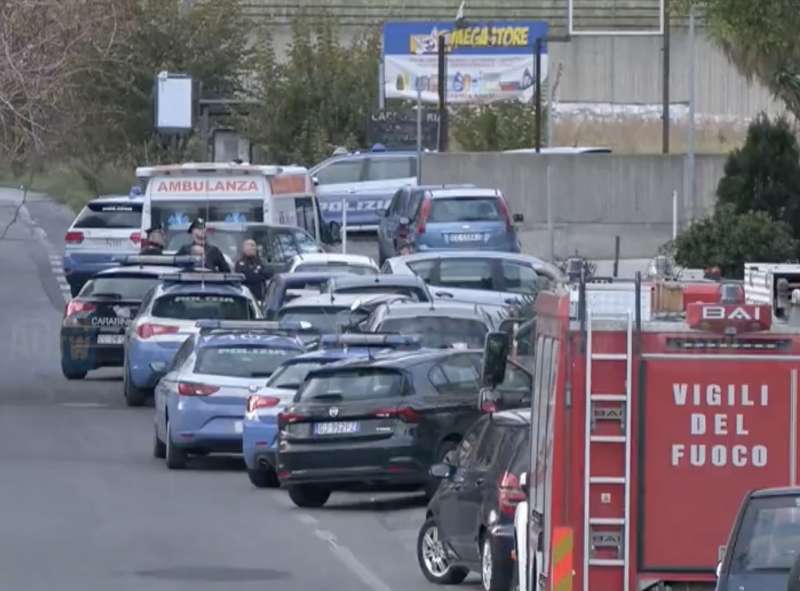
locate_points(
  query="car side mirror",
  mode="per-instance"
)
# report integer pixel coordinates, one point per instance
(495, 354)
(518, 218)
(441, 471)
(335, 232)
(315, 180)
(487, 400)
(523, 483)
(159, 367)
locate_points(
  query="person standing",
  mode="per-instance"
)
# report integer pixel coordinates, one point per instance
(214, 259)
(252, 267)
(153, 244)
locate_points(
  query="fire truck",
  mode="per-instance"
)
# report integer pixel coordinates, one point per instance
(656, 407)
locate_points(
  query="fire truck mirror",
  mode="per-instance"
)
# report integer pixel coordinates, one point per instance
(495, 352)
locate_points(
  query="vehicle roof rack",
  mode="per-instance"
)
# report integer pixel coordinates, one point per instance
(331, 341)
(166, 260)
(200, 277)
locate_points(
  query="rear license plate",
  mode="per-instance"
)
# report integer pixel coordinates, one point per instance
(466, 237)
(340, 428)
(237, 427)
(115, 242)
(110, 339)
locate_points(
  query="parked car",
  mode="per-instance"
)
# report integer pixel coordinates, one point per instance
(366, 181)
(764, 544)
(95, 320)
(107, 227)
(200, 400)
(469, 523)
(331, 313)
(407, 285)
(333, 263)
(480, 277)
(277, 245)
(376, 423)
(439, 325)
(422, 219)
(285, 287)
(169, 315)
(260, 428)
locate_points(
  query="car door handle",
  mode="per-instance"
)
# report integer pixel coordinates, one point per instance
(444, 294)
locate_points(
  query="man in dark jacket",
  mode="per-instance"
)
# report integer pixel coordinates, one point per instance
(153, 242)
(214, 259)
(252, 267)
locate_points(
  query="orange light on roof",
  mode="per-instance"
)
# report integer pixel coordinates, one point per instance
(285, 184)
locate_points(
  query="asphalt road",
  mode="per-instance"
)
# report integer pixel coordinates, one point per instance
(85, 506)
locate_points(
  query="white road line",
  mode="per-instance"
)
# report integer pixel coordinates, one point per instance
(370, 579)
(307, 519)
(84, 405)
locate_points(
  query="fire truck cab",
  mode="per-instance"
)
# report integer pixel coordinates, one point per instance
(656, 407)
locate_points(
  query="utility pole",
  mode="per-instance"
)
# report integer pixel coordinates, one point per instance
(443, 127)
(665, 83)
(689, 198)
(538, 92)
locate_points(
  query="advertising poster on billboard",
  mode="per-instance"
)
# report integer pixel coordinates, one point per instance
(486, 62)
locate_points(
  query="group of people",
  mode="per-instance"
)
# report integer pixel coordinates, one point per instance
(249, 264)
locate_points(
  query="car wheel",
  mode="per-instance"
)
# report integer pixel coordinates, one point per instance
(496, 569)
(443, 454)
(308, 495)
(176, 457)
(159, 447)
(263, 478)
(133, 396)
(71, 372)
(433, 560)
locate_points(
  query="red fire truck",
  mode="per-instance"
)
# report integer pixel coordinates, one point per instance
(649, 426)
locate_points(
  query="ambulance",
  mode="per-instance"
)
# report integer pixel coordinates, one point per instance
(656, 408)
(177, 194)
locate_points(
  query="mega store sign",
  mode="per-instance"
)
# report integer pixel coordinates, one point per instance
(485, 61)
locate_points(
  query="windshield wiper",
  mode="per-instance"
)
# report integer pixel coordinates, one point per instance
(328, 397)
(109, 295)
(260, 374)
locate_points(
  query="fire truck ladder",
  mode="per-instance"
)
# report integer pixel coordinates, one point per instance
(607, 537)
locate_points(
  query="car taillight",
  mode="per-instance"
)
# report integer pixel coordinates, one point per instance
(136, 237)
(286, 418)
(424, 214)
(256, 402)
(196, 389)
(77, 306)
(510, 493)
(73, 237)
(405, 414)
(505, 213)
(147, 330)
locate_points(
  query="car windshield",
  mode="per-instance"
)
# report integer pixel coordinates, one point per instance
(244, 361)
(352, 385)
(325, 319)
(439, 332)
(769, 538)
(412, 292)
(465, 209)
(305, 243)
(179, 214)
(351, 268)
(119, 288)
(229, 242)
(110, 216)
(292, 375)
(202, 306)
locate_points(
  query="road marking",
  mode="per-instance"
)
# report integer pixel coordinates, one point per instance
(370, 579)
(84, 405)
(307, 519)
(55, 258)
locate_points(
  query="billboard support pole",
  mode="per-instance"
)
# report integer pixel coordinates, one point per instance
(442, 71)
(538, 92)
(419, 135)
(381, 85)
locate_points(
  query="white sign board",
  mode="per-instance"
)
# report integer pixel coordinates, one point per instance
(173, 103)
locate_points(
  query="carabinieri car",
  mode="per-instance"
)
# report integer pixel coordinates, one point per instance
(169, 315)
(260, 432)
(200, 400)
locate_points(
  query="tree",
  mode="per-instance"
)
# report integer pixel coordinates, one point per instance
(320, 98)
(764, 174)
(497, 126)
(728, 239)
(760, 37)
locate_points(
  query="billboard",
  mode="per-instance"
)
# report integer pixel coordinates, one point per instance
(486, 62)
(397, 128)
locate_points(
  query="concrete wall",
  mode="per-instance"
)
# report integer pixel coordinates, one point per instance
(594, 197)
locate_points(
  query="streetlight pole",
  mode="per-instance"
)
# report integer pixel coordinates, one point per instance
(538, 92)
(441, 46)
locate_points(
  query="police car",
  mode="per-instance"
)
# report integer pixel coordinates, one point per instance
(107, 227)
(94, 323)
(200, 400)
(169, 315)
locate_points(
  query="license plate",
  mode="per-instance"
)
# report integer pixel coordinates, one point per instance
(110, 339)
(115, 242)
(466, 237)
(340, 428)
(237, 427)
